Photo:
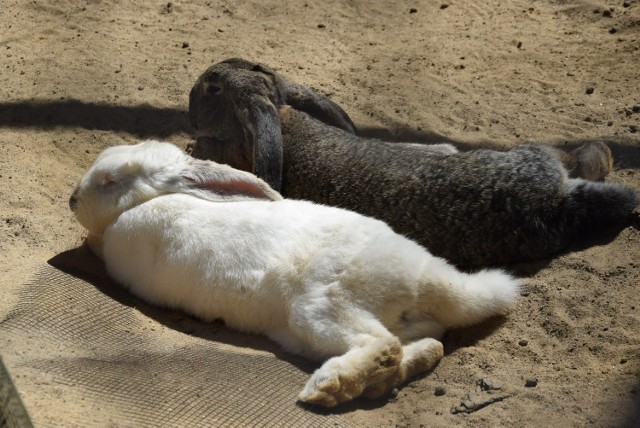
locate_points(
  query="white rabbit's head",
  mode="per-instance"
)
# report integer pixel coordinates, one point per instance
(125, 176)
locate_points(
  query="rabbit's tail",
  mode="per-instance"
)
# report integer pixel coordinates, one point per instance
(457, 299)
(597, 206)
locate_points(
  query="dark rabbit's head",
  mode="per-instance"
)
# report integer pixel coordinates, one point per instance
(233, 108)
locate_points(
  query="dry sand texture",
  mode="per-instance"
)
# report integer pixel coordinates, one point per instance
(79, 76)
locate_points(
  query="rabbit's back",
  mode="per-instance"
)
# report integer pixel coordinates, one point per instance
(473, 208)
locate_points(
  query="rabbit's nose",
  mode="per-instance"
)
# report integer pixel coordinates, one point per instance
(73, 202)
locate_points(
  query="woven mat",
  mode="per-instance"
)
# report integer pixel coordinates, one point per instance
(84, 352)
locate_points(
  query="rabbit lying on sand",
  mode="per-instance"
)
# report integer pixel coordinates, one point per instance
(475, 208)
(323, 282)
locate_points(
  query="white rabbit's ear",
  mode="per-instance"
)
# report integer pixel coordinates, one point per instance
(120, 173)
(218, 182)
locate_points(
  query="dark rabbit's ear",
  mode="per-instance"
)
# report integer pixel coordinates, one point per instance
(259, 120)
(233, 107)
(304, 99)
(317, 106)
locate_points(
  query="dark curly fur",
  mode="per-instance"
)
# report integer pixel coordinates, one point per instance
(475, 208)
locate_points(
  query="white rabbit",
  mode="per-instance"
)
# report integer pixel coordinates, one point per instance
(321, 281)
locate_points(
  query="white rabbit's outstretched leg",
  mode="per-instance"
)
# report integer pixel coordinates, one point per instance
(418, 357)
(372, 370)
(345, 377)
(327, 323)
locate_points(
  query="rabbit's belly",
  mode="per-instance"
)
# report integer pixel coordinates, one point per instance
(240, 302)
(191, 277)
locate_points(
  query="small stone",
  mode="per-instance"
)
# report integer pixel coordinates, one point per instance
(626, 3)
(590, 90)
(636, 108)
(444, 6)
(531, 382)
(489, 385)
(413, 10)
(185, 45)
(321, 26)
(394, 393)
(623, 360)
(440, 391)
(610, 123)
(141, 88)
(613, 30)
(633, 129)
(606, 13)
(523, 342)
(519, 45)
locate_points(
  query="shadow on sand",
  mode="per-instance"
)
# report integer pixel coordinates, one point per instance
(142, 121)
(82, 264)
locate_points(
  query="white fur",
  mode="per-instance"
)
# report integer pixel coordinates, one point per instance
(321, 281)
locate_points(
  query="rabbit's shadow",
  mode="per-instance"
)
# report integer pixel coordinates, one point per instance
(81, 263)
(625, 151)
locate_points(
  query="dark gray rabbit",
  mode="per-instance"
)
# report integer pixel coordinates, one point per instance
(475, 208)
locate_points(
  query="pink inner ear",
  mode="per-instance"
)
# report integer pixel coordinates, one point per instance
(234, 187)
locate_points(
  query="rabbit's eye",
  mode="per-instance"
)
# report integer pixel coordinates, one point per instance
(108, 181)
(212, 89)
(261, 69)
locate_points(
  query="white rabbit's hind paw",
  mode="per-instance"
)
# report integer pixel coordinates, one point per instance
(327, 389)
(344, 378)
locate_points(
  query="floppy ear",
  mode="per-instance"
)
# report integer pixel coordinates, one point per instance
(259, 119)
(304, 99)
(318, 106)
(221, 183)
(231, 108)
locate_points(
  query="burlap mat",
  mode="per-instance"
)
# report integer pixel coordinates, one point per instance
(84, 352)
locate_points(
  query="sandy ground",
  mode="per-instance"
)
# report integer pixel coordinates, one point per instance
(79, 76)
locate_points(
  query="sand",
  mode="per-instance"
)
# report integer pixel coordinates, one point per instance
(78, 77)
